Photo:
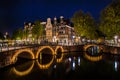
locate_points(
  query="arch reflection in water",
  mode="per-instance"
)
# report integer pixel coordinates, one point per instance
(61, 58)
(59, 51)
(23, 73)
(93, 58)
(45, 66)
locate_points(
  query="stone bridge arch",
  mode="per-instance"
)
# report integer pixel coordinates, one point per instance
(59, 47)
(29, 51)
(42, 48)
(85, 47)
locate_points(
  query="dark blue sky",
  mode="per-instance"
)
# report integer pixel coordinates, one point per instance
(13, 13)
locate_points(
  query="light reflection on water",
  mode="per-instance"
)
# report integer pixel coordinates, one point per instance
(94, 50)
(116, 65)
(72, 67)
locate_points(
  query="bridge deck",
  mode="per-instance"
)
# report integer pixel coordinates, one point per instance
(10, 48)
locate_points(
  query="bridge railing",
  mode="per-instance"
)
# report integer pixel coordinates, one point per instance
(6, 46)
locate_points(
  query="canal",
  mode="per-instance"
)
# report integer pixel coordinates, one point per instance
(65, 66)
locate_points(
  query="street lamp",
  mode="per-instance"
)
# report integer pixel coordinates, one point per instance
(116, 39)
(73, 39)
(79, 40)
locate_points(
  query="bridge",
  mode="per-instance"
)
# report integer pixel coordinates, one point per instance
(54, 50)
(10, 55)
(34, 52)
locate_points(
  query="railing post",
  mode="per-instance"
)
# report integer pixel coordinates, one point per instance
(7, 47)
(15, 44)
(1, 47)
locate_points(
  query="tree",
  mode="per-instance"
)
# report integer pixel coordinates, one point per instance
(25, 33)
(37, 30)
(84, 24)
(1, 36)
(110, 19)
(17, 34)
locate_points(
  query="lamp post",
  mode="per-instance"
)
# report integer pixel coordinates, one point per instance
(83, 40)
(1, 46)
(79, 40)
(73, 39)
(115, 39)
(6, 41)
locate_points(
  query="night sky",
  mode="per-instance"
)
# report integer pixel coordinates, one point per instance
(13, 13)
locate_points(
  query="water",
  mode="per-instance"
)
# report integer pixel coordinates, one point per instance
(70, 66)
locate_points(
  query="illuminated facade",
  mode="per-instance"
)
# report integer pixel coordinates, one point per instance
(49, 32)
(28, 31)
(57, 31)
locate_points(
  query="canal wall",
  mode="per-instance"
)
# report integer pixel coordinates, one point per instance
(5, 59)
(111, 49)
(76, 48)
